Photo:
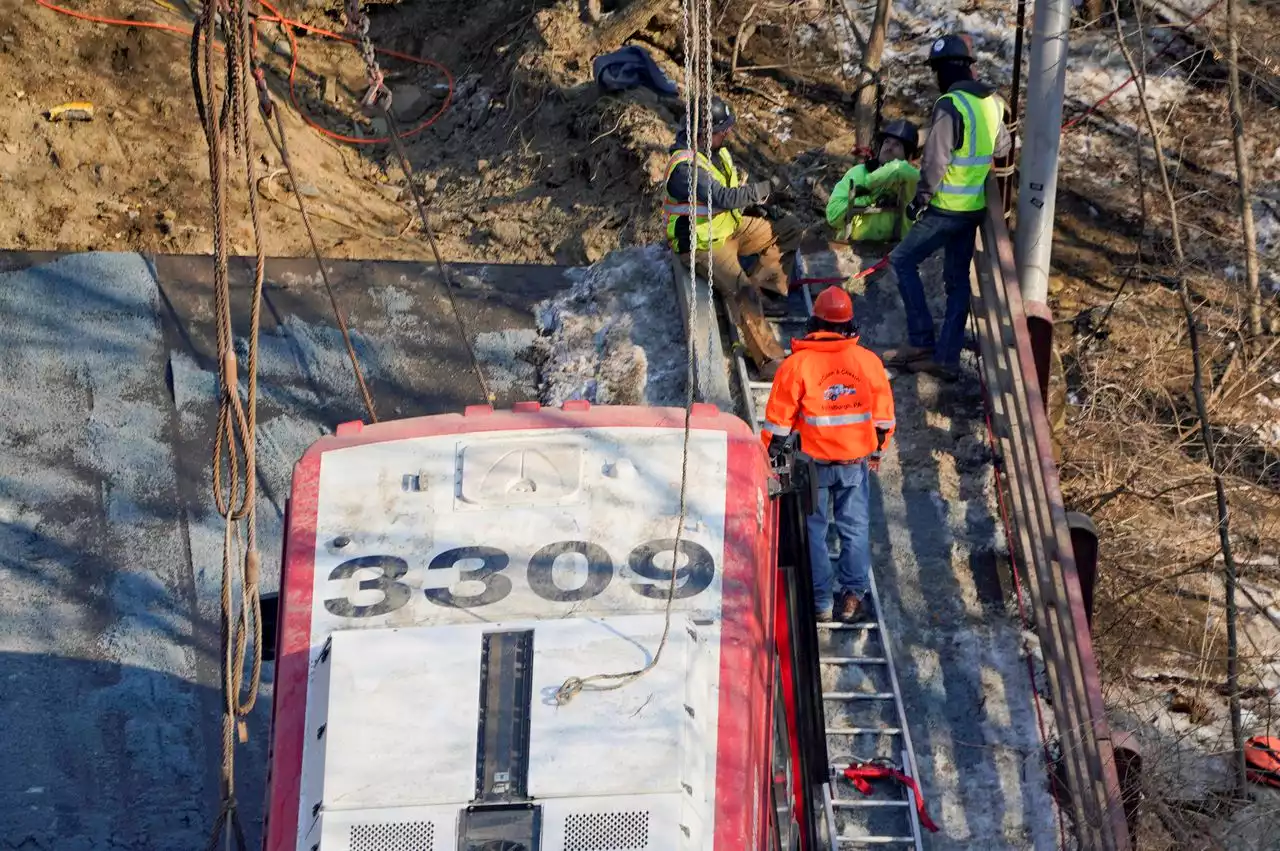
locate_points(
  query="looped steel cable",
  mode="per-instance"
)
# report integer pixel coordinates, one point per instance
(234, 451)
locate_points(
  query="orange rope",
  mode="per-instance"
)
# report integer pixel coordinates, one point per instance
(288, 25)
(146, 25)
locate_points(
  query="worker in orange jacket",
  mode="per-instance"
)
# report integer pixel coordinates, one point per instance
(835, 394)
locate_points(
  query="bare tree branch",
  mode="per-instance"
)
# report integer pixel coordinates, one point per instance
(1243, 181)
(1206, 430)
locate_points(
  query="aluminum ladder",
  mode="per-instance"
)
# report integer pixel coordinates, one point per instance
(862, 702)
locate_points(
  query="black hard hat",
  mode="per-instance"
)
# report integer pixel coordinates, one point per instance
(951, 47)
(905, 132)
(722, 117)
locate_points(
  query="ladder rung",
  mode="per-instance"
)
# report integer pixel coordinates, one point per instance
(877, 840)
(865, 625)
(851, 804)
(760, 385)
(864, 731)
(858, 695)
(853, 660)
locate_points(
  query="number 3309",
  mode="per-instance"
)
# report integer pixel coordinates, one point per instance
(697, 572)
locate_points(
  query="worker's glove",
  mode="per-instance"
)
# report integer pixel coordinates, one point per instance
(756, 210)
(777, 444)
(887, 200)
(761, 189)
(873, 461)
(882, 434)
(915, 210)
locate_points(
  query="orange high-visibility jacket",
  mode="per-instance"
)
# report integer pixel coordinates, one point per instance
(835, 394)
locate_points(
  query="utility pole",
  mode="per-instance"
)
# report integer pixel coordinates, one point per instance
(1038, 174)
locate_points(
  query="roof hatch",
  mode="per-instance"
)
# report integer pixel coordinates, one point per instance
(519, 473)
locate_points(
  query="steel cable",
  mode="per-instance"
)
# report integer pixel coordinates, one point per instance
(697, 16)
(234, 452)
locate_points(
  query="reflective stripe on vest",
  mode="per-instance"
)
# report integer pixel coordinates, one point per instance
(963, 184)
(712, 227)
(774, 428)
(844, 419)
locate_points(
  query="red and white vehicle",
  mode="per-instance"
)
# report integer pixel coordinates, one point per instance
(445, 575)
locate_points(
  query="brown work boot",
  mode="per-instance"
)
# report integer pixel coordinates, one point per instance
(849, 607)
(906, 355)
(942, 372)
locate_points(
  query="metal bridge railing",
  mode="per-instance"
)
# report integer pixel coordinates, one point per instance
(1042, 538)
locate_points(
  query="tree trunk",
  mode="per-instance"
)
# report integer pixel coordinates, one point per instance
(620, 26)
(1242, 169)
(865, 111)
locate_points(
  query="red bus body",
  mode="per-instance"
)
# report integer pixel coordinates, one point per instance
(437, 566)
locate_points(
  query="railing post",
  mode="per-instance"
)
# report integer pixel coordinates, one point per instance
(1040, 330)
(1129, 768)
(1084, 544)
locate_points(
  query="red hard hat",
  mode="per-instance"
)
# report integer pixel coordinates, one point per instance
(833, 305)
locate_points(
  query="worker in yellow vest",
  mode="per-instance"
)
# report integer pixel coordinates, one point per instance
(723, 226)
(966, 134)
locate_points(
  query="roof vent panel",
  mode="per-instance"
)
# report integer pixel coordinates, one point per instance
(393, 836)
(616, 831)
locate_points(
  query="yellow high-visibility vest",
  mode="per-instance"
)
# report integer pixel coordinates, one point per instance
(712, 231)
(963, 186)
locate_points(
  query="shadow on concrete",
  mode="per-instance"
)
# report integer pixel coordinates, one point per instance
(110, 546)
(102, 755)
(934, 537)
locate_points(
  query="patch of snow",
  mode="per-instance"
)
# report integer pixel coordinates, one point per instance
(507, 359)
(616, 336)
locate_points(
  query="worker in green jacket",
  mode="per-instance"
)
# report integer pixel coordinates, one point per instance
(869, 203)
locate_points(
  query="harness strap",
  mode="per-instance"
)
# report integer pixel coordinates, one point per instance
(860, 774)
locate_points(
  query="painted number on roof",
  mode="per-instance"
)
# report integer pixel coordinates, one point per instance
(697, 574)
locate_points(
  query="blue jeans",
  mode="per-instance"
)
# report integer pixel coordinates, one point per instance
(847, 489)
(954, 234)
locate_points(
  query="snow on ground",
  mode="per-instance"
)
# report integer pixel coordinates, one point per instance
(615, 337)
(507, 359)
(110, 547)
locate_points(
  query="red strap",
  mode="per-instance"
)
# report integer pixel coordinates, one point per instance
(860, 773)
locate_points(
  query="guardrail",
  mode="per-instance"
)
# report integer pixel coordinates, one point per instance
(1042, 535)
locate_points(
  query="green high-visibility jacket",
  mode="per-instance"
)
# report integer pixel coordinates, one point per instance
(861, 187)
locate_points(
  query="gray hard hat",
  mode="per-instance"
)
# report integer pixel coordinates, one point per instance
(905, 132)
